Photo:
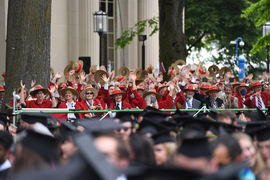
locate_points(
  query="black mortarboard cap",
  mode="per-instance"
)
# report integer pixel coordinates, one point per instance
(253, 127)
(32, 118)
(151, 126)
(66, 127)
(259, 115)
(218, 131)
(162, 137)
(195, 147)
(263, 134)
(51, 121)
(178, 114)
(128, 116)
(212, 114)
(171, 173)
(155, 114)
(221, 127)
(200, 125)
(100, 126)
(4, 119)
(40, 143)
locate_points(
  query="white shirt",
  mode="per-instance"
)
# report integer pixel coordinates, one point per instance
(71, 106)
(120, 105)
(190, 100)
(5, 165)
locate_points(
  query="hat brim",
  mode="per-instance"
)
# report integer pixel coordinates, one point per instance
(159, 89)
(119, 73)
(158, 96)
(137, 82)
(117, 93)
(211, 70)
(195, 90)
(224, 69)
(202, 75)
(89, 89)
(66, 70)
(79, 62)
(99, 73)
(41, 89)
(207, 92)
(63, 91)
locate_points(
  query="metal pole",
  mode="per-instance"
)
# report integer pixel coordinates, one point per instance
(268, 59)
(14, 103)
(143, 56)
(100, 48)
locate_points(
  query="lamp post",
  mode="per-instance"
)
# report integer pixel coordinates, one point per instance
(241, 63)
(142, 38)
(266, 30)
(100, 26)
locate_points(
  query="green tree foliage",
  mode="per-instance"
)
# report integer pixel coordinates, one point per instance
(220, 22)
(138, 29)
(260, 13)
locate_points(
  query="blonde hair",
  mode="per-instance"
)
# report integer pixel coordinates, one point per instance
(259, 163)
(170, 149)
(148, 101)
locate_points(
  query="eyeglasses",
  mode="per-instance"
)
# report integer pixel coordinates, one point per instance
(124, 128)
(89, 93)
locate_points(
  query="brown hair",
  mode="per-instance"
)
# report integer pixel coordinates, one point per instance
(259, 163)
(227, 113)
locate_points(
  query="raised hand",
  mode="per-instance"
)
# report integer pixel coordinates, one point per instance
(250, 76)
(104, 78)
(33, 83)
(125, 82)
(52, 90)
(22, 85)
(229, 74)
(58, 75)
(159, 79)
(82, 77)
(132, 76)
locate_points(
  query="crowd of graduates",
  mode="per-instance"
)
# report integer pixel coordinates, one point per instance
(132, 144)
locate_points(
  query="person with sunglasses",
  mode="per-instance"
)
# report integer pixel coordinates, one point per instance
(89, 101)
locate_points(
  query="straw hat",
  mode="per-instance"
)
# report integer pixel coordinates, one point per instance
(62, 86)
(102, 68)
(68, 67)
(202, 71)
(78, 66)
(140, 87)
(161, 87)
(112, 75)
(69, 88)
(117, 91)
(191, 88)
(123, 71)
(89, 87)
(206, 86)
(255, 84)
(170, 71)
(93, 69)
(144, 73)
(138, 72)
(183, 68)
(180, 62)
(39, 88)
(51, 70)
(97, 76)
(211, 89)
(213, 70)
(150, 69)
(242, 85)
(152, 91)
(223, 71)
(138, 81)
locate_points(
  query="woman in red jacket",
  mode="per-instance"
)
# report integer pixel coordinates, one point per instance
(89, 101)
(71, 95)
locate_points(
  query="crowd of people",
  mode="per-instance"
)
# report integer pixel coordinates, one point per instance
(146, 144)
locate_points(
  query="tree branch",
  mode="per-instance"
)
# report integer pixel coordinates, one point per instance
(198, 40)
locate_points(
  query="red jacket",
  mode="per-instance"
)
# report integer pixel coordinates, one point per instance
(96, 102)
(179, 100)
(240, 99)
(34, 104)
(140, 100)
(251, 103)
(78, 105)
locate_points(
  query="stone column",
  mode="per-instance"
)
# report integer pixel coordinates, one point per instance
(59, 35)
(73, 30)
(88, 39)
(147, 10)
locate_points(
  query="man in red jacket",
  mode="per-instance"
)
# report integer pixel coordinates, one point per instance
(241, 95)
(259, 98)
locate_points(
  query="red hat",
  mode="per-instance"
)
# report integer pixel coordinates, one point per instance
(256, 84)
(206, 86)
(4, 74)
(213, 88)
(117, 91)
(39, 88)
(190, 87)
(122, 86)
(2, 89)
(120, 79)
(242, 85)
(138, 81)
(63, 86)
(140, 87)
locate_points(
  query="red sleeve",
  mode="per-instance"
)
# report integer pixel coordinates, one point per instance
(63, 105)
(165, 94)
(248, 102)
(124, 96)
(70, 83)
(156, 88)
(11, 102)
(141, 101)
(107, 97)
(100, 93)
(180, 99)
(167, 104)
